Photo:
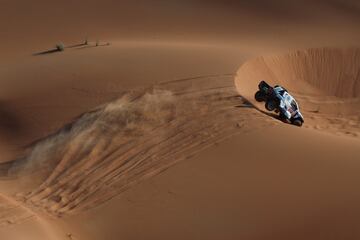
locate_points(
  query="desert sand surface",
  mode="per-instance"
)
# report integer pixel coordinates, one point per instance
(156, 135)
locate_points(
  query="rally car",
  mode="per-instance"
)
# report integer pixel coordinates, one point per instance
(279, 100)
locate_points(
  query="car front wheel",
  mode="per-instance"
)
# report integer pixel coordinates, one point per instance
(297, 123)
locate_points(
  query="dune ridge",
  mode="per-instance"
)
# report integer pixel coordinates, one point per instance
(331, 71)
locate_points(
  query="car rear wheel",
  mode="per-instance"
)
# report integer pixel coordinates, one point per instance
(270, 105)
(259, 96)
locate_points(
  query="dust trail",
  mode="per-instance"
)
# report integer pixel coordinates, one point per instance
(124, 117)
(107, 150)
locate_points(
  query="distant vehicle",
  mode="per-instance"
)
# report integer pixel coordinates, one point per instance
(279, 100)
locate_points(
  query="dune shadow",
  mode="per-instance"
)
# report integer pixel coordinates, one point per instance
(9, 123)
(77, 45)
(46, 52)
(4, 169)
(85, 47)
(93, 46)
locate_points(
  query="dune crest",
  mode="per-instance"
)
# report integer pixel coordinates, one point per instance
(332, 71)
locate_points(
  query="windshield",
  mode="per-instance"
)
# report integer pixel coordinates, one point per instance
(294, 105)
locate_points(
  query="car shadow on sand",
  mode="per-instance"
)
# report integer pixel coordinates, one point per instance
(248, 104)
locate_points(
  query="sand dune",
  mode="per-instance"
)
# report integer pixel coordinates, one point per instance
(157, 135)
(121, 144)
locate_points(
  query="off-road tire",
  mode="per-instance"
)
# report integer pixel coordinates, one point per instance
(297, 122)
(270, 105)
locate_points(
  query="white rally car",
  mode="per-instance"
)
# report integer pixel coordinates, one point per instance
(277, 98)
